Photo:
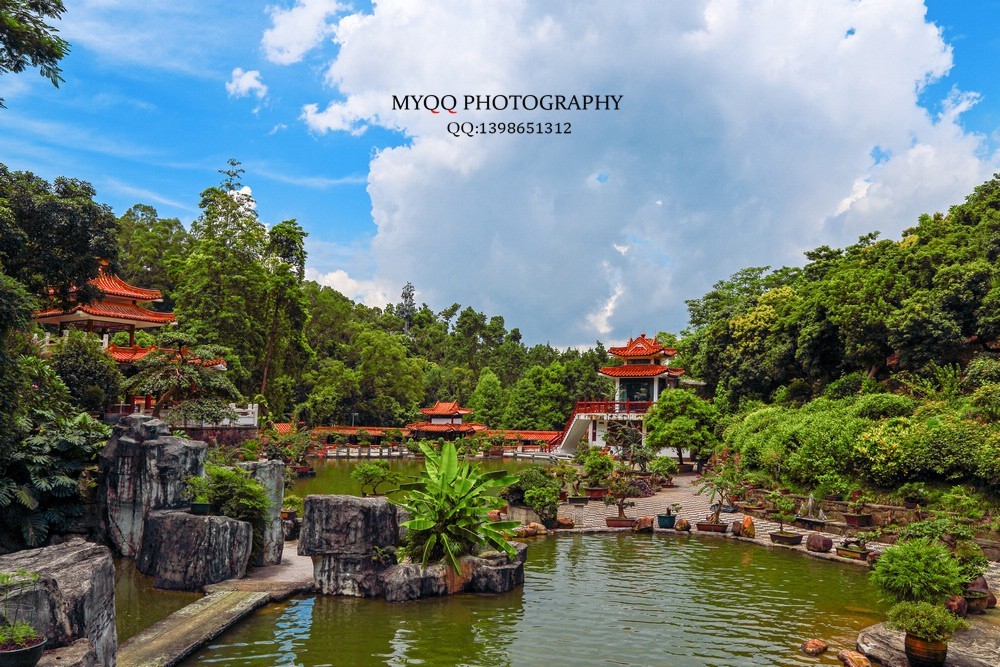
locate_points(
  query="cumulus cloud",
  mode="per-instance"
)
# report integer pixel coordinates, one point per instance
(746, 135)
(365, 291)
(243, 83)
(299, 29)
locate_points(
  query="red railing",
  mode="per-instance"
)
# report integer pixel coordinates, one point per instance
(603, 407)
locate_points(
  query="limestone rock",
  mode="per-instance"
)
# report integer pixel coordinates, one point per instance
(353, 575)
(290, 529)
(271, 474)
(538, 528)
(991, 601)
(748, 529)
(525, 531)
(979, 585)
(818, 543)
(564, 523)
(80, 653)
(682, 525)
(345, 525)
(737, 528)
(496, 574)
(957, 605)
(493, 515)
(182, 551)
(853, 659)
(74, 597)
(143, 468)
(814, 646)
(643, 524)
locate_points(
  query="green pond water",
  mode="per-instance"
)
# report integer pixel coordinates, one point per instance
(599, 599)
(137, 604)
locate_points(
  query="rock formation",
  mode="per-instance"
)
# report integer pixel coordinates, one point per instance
(74, 597)
(143, 468)
(271, 474)
(182, 551)
(352, 543)
(818, 543)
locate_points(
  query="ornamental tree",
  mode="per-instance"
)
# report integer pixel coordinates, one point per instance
(680, 419)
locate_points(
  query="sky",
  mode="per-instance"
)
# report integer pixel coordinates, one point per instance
(741, 133)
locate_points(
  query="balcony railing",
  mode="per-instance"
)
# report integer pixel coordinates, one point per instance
(611, 407)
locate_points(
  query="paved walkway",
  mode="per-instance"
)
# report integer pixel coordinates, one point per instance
(183, 632)
(696, 508)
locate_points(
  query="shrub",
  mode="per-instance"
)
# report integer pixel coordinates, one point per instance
(880, 448)
(598, 467)
(984, 369)
(882, 406)
(664, 467)
(924, 620)
(917, 571)
(852, 384)
(373, 474)
(529, 477)
(985, 403)
(544, 501)
(234, 493)
(914, 492)
(971, 559)
(449, 506)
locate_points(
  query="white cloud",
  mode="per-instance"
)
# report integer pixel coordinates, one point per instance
(365, 291)
(243, 83)
(299, 29)
(745, 136)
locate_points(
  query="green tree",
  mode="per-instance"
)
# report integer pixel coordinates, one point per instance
(27, 40)
(488, 400)
(92, 377)
(679, 419)
(389, 381)
(153, 250)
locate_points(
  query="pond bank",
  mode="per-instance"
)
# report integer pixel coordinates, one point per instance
(185, 631)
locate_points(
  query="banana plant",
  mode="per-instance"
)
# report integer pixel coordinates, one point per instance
(448, 506)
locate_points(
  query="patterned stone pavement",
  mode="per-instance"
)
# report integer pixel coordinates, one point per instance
(695, 507)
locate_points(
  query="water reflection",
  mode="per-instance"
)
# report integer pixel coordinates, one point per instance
(588, 599)
(137, 604)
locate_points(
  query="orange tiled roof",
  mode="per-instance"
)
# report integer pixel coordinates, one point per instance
(112, 311)
(283, 428)
(642, 347)
(640, 371)
(441, 409)
(525, 435)
(112, 285)
(428, 427)
(130, 354)
(375, 431)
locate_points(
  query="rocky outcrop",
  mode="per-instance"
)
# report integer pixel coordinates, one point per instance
(682, 525)
(853, 659)
(271, 475)
(977, 646)
(814, 647)
(74, 597)
(643, 524)
(182, 551)
(143, 468)
(352, 543)
(349, 539)
(818, 543)
(748, 529)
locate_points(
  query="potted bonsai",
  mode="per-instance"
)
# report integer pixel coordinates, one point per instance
(20, 643)
(785, 513)
(667, 518)
(663, 468)
(291, 506)
(928, 628)
(856, 548)
(544, 500)
(598, 468)
(620, 493)
(196, 489)
(719, 484)
(857, 514)
(919, 575)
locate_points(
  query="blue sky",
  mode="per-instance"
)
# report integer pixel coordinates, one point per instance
(748, 132)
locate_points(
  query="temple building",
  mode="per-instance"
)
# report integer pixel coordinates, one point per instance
(644, 373)
(117, 310)
(444, 420)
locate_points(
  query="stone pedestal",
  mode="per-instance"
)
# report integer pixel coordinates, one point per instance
(143, 468)
(74, 597)
(182, 551)
(271, 474)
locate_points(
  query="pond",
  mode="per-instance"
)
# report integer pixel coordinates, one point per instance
(137, 604)
(614, 599)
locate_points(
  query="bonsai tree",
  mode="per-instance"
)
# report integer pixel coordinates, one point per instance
(917, 571)
(598, 467)
(720, 484)
(914, 493)
(930, 622)
(530, 477)
(449, 506)
(663, 468)
(196, 489)
(627, 440)
(784, 509)
(568, 477)
(293, 502)
(373, 474)
(680, 419)
(544, 500)
(620, 493)
(672, 508)
(16, 593)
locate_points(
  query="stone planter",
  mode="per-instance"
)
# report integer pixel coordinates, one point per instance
(709, 527)
(788, 539)
(201, 509)
(853, 554)
(618, 522)
(595, 492)
(578, 500)
(666, 520)
(977, 601)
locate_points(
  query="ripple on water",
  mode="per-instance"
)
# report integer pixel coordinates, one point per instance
(587, 600)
